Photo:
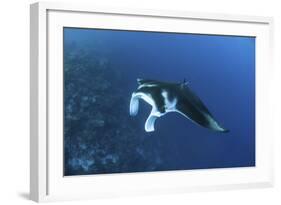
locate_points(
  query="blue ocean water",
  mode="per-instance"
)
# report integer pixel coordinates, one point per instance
(100, 72)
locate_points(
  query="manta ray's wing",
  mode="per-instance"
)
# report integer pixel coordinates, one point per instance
(193, 108)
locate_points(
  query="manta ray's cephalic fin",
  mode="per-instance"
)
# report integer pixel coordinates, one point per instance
(150, 121)
(134, 105)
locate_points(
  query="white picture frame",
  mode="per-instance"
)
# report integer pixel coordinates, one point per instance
(47, 182)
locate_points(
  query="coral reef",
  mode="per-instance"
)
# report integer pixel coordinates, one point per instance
(99, 135)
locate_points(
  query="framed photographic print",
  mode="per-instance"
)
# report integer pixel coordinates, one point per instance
(127, 101)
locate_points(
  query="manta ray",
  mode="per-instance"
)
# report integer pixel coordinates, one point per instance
(165, 97)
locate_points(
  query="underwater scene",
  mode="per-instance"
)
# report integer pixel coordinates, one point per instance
(142, 101)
